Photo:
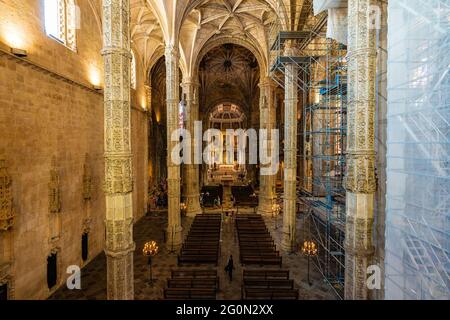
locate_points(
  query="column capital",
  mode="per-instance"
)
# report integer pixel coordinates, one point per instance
(187, 80)
(172, 101)
(190, 82)
(171, 51)
(266, 82)
(120, 253)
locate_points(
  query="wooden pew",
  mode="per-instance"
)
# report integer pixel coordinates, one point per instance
(266, 274)
(261, 260)
(268, 284)
(256, 245)
(202, 244)
(194, 274)
(193, 283)
(260, 251)
(190, 293)
(270, 294)
(197, 259)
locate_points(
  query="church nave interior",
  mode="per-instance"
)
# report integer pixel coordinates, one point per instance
(224, 150)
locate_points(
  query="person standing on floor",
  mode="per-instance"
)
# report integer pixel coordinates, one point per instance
(230, 267)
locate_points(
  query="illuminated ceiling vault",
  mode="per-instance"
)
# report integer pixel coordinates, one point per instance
(228, 73)
(200, 25)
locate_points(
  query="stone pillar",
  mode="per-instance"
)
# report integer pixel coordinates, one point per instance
(192, 187)
(197, 167)
(267, 121)
(118, 158)
(148, 149)
(148, 98)
(174, 228)
(153, 157)
(290, 158)
(7, 222)
(360, 178)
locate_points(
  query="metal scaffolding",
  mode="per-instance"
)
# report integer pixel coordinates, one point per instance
(323, 132)
(322, 81)
(417, 263)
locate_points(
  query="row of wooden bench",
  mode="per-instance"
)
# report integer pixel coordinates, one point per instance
(204, 285)
(256, 245)
(268, 285)
(202, 245)
(192, 285)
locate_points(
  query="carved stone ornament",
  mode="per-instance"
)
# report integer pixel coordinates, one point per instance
(87, 180)
(118, 183)
(7, 212)
(7, 278)
(87, 225)
(54, 250)
(360, 176)
(54, 192)
(264, 103)
(119, 176)
(360, 172)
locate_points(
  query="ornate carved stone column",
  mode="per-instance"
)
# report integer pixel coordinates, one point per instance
(290, 155)
(192, 191)
(267, 121)
(148, 148)
(7, 212)
(174, 228)
(118, 160)
(152, 150)
(360, 179)
(148, 98)
(7, 220)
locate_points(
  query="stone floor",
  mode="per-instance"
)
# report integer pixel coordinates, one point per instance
(151, 227)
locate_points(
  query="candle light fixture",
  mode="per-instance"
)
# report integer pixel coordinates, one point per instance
(150, 250)
(276, 209)
(183, 208)
(309, 249)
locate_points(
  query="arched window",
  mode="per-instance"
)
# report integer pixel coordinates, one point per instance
(62, 20)
(133, 70)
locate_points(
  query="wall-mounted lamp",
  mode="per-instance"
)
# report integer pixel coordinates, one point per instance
(98, 88)
(19, 52)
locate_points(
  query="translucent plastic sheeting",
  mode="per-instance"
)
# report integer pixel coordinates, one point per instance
(337, 26)
(417, 261)
(322, 5)
(337, 18)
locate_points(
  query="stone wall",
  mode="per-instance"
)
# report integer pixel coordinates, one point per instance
(50, 110)
(139, 138)
(22, 25)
